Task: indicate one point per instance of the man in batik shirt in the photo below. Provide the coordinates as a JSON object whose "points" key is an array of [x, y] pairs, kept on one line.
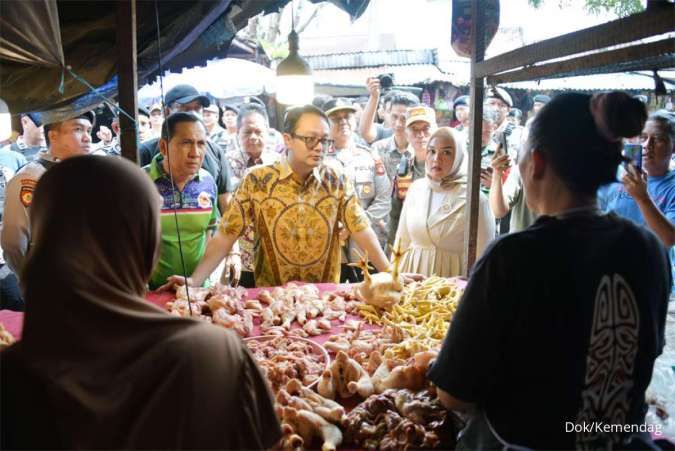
{"points": [[297, 207]]}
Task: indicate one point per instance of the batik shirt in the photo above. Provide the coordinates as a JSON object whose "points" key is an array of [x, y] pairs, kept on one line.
{"points": [[296, 224], [240, 162], [197, 213]]}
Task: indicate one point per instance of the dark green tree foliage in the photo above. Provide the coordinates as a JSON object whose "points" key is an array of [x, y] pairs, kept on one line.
{"points": [[621, 8]]}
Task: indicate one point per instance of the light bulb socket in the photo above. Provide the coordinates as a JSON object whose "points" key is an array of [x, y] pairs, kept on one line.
{"points": [[293, 64]]}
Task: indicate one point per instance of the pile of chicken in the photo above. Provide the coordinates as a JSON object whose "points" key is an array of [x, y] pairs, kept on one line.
{"points": [[307, 417], [6, 338], [302, 304], [361, 368], [401, 419], [277, 311], [284, 358], [396, 419], [219, 304], [423, 315]]}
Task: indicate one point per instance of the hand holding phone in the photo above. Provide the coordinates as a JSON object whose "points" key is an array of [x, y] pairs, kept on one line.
{"points": [[486, 177], [500, 161], [635, 182]]}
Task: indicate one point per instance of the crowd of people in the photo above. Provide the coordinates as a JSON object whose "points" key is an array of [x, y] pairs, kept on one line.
{"points": [[224, 196], [199, 152]]}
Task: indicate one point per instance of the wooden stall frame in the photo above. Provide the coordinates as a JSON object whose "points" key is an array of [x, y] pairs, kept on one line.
{"points": [[128, 80], [525, 64]]}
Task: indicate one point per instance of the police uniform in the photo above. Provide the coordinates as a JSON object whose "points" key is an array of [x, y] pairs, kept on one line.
{"points": [[18, 199], [24, 149], [371, 185]]}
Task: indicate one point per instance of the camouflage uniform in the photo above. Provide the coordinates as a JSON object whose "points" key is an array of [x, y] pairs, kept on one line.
{"points": [[390, 155]]}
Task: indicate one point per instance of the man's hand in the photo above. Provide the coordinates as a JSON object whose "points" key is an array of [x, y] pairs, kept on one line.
{"points": [[635, 183], [175, 281], [104, 134], [373, 86], [409, 277], [500, 163], [233, 268], [367, 128]]}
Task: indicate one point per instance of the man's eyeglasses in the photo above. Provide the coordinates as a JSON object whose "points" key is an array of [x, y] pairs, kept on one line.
{"points": [[424, 131], [312, 141]]}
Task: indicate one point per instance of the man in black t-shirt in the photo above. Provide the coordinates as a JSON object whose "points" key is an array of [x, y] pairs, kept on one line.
{"points": [[535, 340]]}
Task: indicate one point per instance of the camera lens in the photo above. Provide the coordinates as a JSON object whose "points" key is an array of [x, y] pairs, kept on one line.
{"points": [[386, 81]]}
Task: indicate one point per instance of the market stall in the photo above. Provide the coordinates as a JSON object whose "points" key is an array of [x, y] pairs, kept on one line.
{"points": [[342, 371]]}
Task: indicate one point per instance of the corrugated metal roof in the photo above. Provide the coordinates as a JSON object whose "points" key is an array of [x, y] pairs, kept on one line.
{"points": [[599, 82], [354, 68], [371, 59], [403, 75]]}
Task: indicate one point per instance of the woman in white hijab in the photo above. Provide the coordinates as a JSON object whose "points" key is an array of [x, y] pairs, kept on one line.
{"points": [[98, 366], [433, 216]]}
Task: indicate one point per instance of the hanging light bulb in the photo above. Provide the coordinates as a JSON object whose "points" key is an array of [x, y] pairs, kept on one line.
{"points": [[295, 85]]}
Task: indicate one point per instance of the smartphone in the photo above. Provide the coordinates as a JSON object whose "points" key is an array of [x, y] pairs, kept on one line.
{"points": [[634, 153], [504, 143]]}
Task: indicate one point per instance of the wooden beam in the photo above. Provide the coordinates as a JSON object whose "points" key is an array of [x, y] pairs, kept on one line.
{"points": [[127, 86], [593, 64], [475, 132], [652, 22]]}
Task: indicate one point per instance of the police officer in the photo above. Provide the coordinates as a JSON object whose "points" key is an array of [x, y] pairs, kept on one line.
{"points": [[506, 133], [67, 136], [420, 124], [364, 168]]}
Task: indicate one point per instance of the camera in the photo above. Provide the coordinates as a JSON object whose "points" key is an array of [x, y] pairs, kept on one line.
{"points": [[386, 81]]}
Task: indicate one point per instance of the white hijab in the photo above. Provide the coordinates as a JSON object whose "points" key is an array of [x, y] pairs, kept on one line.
{"points": [[457, 174]]}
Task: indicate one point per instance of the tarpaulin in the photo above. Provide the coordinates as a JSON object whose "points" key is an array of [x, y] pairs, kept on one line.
{"points": [[30, 33], [191, 32]]}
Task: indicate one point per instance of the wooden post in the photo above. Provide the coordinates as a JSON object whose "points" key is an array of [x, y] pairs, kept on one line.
{"points": [[127, 85], [475, 132]]}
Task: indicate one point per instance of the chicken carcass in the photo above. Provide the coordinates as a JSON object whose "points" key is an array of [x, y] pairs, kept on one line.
{"points": [[382, 289], [308, 425], [345, 378]]}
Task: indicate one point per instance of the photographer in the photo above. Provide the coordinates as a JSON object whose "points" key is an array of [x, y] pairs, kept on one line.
{"points": [[647, 194], [391, 149], [368, 129], [501, 101]]}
